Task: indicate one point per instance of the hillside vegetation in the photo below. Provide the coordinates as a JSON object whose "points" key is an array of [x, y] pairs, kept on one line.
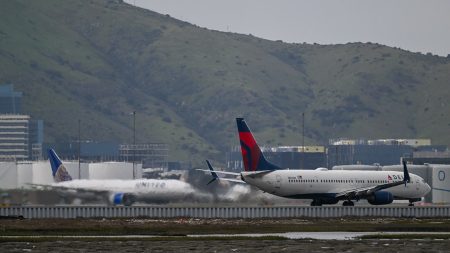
{"points": [[99, 60]]}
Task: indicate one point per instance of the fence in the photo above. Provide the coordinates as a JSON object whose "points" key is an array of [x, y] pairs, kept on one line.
{"points": [[223, 212]]}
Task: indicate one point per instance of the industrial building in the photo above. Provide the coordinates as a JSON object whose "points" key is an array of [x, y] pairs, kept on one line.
{"points": [[14, 137], [292, 157], [431, 157], [21, 137], [380, 151], [92, 151], [345, 151], [152, 155]]}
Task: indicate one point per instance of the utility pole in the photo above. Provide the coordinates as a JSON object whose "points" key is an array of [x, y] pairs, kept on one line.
{"points": [[134, 143], [303, 141], [79, 148]]}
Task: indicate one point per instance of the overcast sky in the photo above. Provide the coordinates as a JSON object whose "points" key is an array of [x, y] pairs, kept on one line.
{"points": [[414, 25]]}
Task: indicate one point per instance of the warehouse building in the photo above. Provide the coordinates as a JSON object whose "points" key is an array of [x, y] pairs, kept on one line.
{"points": [[292, 157], [380, 151], [431, 157], [151, 155]]}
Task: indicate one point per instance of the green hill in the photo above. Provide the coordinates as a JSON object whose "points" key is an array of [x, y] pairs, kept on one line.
{"points": [[100, 60]]}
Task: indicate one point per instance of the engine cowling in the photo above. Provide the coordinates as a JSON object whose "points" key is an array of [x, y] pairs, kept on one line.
{"points": [[125, 199], [381, 198]]}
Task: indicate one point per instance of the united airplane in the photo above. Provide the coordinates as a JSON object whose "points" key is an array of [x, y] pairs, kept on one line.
{"points": [[322, 186], [117, 192]]}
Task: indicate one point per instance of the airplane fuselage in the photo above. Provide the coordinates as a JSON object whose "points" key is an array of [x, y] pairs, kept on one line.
{"points": [[310, 184], [155, 190], [131, 186]]}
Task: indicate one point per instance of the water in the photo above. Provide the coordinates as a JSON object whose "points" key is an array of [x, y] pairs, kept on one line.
{"points": [[288, 235], [320, 235], [299, 235]]}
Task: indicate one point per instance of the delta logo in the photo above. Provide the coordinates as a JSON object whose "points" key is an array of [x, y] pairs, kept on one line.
{"points": [[395, 177]]}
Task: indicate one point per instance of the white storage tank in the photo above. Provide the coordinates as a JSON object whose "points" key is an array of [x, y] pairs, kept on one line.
{"points": [[42, 173], [114, 170], [8, 175], [441, 184], [24, 174], [74, 172]]}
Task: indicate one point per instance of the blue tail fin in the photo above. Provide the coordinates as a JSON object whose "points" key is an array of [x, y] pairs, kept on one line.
{"points": [[59, 172], [252, 155]]}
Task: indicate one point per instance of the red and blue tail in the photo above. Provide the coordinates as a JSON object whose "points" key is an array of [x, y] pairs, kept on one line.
{"points": [[252, 156]]}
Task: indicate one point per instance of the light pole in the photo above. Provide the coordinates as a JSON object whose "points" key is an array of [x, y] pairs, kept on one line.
{"points": [[134, 143], [79, 148], [303, 140]]}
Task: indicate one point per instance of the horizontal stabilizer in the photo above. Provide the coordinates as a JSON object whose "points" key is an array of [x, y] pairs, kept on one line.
{"points": [[221, 172], [216, 177]]}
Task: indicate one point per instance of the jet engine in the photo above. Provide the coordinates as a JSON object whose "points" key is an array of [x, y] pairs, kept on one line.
{"points": [[381, 198], [126, 199]]}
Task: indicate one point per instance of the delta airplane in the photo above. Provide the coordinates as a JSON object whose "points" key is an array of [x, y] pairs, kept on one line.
{"points": [[117, 192], [323, 186]]}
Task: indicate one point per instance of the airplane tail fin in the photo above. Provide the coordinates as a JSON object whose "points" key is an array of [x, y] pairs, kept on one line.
{"points": [[59, 172], [252, 155]]}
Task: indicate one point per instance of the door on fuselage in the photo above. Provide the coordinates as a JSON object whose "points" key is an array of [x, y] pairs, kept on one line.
{"points": [[277, 182]]}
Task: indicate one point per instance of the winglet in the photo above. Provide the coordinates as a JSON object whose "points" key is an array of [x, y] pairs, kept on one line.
{"points": [[59, 172], [406, 177], [213, 174]]}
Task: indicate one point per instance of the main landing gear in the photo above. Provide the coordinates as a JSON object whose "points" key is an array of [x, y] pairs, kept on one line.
{"points": [[348, 203]]}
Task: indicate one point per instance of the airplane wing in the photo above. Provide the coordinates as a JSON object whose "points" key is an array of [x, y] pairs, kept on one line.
{"points": [[216, 177], [367, 191]]}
